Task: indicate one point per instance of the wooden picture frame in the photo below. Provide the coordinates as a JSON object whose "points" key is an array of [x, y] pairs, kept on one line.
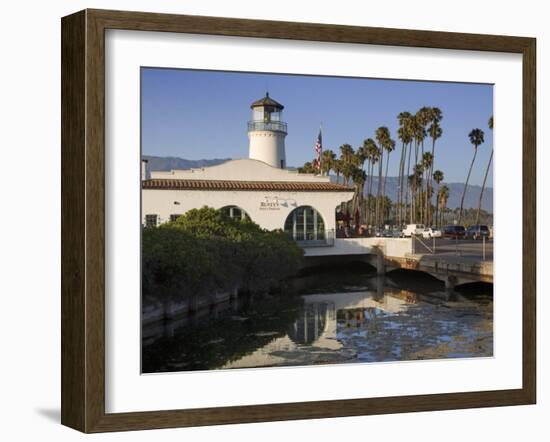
{"points": [[83, 220]]}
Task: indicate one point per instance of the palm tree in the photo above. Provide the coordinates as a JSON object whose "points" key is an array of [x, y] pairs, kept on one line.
{"points": [[423, 117], [437, 177], [443, 197], [419, 134], [362, 154], [308, 167], [412, 185], [404, 134], [427, 162], [358, 177], [384, 141], [435, 132], [347, 156], [390, 146], [490, 124], [372, 156], [418, 173], [411, 125], [327, 161], [476, 138], [337, 167]]}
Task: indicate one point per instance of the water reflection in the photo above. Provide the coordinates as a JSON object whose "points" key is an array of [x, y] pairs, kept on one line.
{"points": [[378, 323]]}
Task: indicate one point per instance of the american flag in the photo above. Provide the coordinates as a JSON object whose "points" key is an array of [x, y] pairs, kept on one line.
{"points": [[318, 149]]}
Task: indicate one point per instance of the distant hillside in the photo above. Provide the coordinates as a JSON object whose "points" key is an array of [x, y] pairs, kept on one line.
{"points": [[455, 194], [169, 163], [455, 189]]}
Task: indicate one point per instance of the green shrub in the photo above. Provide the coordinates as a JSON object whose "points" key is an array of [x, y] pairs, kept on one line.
{"points": [[205, 251]]}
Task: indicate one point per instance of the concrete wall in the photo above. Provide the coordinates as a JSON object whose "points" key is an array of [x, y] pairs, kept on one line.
{"points": [[392, 247], [268, 209]]}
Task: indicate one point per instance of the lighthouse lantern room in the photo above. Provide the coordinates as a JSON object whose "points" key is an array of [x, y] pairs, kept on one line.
{"points": [[267, 132]]}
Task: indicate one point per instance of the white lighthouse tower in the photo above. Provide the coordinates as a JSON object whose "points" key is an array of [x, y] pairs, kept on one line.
{"points": [[267, 132]]}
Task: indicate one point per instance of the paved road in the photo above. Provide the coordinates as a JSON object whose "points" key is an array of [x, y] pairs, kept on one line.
{"points": [[468, 249]]}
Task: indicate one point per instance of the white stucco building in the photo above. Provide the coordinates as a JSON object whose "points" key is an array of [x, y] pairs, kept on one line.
{"points": [[259, 187]]}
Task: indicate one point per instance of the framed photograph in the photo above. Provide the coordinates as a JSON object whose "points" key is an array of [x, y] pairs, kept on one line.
{"points": [[267, 221]]}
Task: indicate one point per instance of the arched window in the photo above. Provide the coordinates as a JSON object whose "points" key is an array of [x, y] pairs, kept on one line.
{"points": [[305, 224], [235, 212]]}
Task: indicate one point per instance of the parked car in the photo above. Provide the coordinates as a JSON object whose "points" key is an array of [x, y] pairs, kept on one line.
{"points": [[413, 229], [392, 233], [477, 231], [454, 232], [431, 232]]}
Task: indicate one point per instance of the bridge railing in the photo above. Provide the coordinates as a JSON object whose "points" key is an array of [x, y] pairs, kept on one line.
{"points": [[423, 244]]}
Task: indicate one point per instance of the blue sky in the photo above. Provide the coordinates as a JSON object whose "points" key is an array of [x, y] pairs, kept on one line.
{"points": [[203, 114]]}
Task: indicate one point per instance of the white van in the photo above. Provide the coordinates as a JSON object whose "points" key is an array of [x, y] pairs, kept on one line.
{"points": [[413, 229]]}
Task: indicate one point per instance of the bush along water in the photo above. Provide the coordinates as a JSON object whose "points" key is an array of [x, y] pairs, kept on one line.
{"points": [[205, 252]]}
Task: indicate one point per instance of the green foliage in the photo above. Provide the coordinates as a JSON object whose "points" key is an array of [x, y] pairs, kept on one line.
{"points": [[206, 251], [173, 262]]}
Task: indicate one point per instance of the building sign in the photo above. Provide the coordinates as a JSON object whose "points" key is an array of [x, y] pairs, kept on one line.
{"points": [[270, 205], [275, 203]]}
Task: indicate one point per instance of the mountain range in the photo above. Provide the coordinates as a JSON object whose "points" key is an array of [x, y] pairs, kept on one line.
{"points": [[455, 189]]}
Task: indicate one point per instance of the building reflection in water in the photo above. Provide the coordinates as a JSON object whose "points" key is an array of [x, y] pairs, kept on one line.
{"points": [[313, 336], [378, 324], [312, 323]]}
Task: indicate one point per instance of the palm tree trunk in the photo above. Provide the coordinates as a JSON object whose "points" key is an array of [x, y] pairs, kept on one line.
{"points": [[384, 187], [407, 182], [436, 206], [415, 194], [399, 185], [431, 177], [483, 187], [371, 168], [422, 195], [466, 186], [379, 187]]}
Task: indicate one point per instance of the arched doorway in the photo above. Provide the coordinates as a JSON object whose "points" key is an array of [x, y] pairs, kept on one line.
{"points": [[305, 224], [235, 212]]}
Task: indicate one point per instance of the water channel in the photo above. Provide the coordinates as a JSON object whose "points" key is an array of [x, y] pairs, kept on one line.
{"points": [[328, 318]]}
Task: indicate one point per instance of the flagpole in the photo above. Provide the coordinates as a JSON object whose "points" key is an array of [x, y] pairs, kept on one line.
{"points": [[321, 148]]}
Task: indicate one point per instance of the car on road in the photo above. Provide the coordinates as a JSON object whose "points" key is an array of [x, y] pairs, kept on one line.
{"points": [[413, 229], [477, 231], [431, 232], [454, 232], [392, 233]]}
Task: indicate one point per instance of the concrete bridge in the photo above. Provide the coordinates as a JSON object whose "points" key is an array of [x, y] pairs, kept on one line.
{"points": [[460, 265]]}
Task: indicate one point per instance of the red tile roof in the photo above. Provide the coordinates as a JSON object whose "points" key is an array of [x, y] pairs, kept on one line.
{"points": [[289, 186]]}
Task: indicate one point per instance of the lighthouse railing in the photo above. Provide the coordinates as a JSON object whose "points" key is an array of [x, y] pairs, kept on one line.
{"points": [[267, 125]]}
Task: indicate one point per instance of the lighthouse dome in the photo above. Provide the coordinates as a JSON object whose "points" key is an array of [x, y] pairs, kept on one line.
{"points": [[267, 101]]}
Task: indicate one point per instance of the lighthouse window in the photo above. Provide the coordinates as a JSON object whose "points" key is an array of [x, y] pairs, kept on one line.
{"points": [[305, 224], [258, 114]]}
